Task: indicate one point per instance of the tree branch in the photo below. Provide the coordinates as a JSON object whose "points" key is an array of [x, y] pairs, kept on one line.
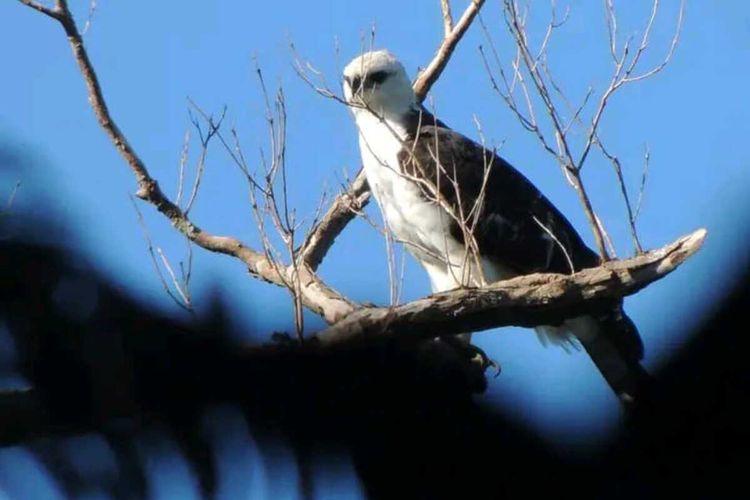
{"points": [[53, 12], [530, 300], [430, 75], [445, 6], [343, 209], [316, 295]]}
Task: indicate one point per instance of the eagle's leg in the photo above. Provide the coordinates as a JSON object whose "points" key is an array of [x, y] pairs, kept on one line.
{"points": [[443, 279]]}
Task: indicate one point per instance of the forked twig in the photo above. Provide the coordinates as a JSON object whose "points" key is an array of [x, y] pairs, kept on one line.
{"points": [[433, 70]]}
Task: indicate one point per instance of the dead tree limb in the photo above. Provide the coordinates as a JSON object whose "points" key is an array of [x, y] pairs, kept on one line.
{"points": [[316, 295], [343, 209], [445, 5], [433, 70], [530, 300]]}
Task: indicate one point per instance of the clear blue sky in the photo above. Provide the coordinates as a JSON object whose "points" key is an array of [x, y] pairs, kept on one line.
{"points": [[152, 56]]}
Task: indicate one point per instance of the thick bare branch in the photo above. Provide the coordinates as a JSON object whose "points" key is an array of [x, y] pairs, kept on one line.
{"points": [[529, 300], [432, 72], [316, 295], [343, 209]]}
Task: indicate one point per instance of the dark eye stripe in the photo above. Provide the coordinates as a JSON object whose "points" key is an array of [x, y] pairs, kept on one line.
{"points": [[371, 79], [377, 77]]}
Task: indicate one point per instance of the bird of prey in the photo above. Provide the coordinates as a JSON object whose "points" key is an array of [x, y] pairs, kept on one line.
{"points": [[469, 217]]}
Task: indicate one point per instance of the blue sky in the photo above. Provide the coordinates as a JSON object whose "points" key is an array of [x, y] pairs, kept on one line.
{"points": [[152, 56]]}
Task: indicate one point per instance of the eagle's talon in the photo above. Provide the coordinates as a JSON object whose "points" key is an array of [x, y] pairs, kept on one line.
{"points": [[484, 361], [474, 354]]}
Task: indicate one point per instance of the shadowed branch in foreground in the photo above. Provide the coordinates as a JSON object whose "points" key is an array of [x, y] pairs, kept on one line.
{"points": [[98, 362]]}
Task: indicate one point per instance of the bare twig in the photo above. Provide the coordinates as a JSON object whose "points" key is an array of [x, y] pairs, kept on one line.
{"points": [[390, 252], [89, 18], [11, 197], [557, 242], [516, 26], [213, 129], [612, 29], [668, 57], [445, 5], [316, 295], [53, 12], [642, 188], [623, 73], [186, 272], [537, 71], [617, 166], [183, 163], [343, 209], [607, 239], [181, 288], [183, 300]]}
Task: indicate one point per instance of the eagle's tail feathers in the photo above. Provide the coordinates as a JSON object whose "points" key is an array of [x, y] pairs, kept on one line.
{"points": [[615, 347], [557, 336], [613, 344]]}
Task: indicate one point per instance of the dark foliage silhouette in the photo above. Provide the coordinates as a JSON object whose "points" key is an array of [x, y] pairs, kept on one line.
{"points": [[100, 362]]}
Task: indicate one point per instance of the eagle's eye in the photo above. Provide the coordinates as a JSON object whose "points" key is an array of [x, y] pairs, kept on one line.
{"points": [[377, 77]]}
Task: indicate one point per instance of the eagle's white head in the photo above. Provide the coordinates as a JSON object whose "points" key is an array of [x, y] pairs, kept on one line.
{"points": [[376, 82]]}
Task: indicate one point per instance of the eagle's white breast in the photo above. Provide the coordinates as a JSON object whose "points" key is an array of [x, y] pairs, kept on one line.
{"points": [[421, 224]]}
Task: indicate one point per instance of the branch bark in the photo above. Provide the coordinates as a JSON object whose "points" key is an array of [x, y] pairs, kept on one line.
{"points": [[430, 75], [530, 300], [316, 295], [53, 12], [445, 5], [342, 211]]}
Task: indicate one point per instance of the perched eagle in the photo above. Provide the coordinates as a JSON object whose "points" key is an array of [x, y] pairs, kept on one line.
{"points": [[468, 216]]}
